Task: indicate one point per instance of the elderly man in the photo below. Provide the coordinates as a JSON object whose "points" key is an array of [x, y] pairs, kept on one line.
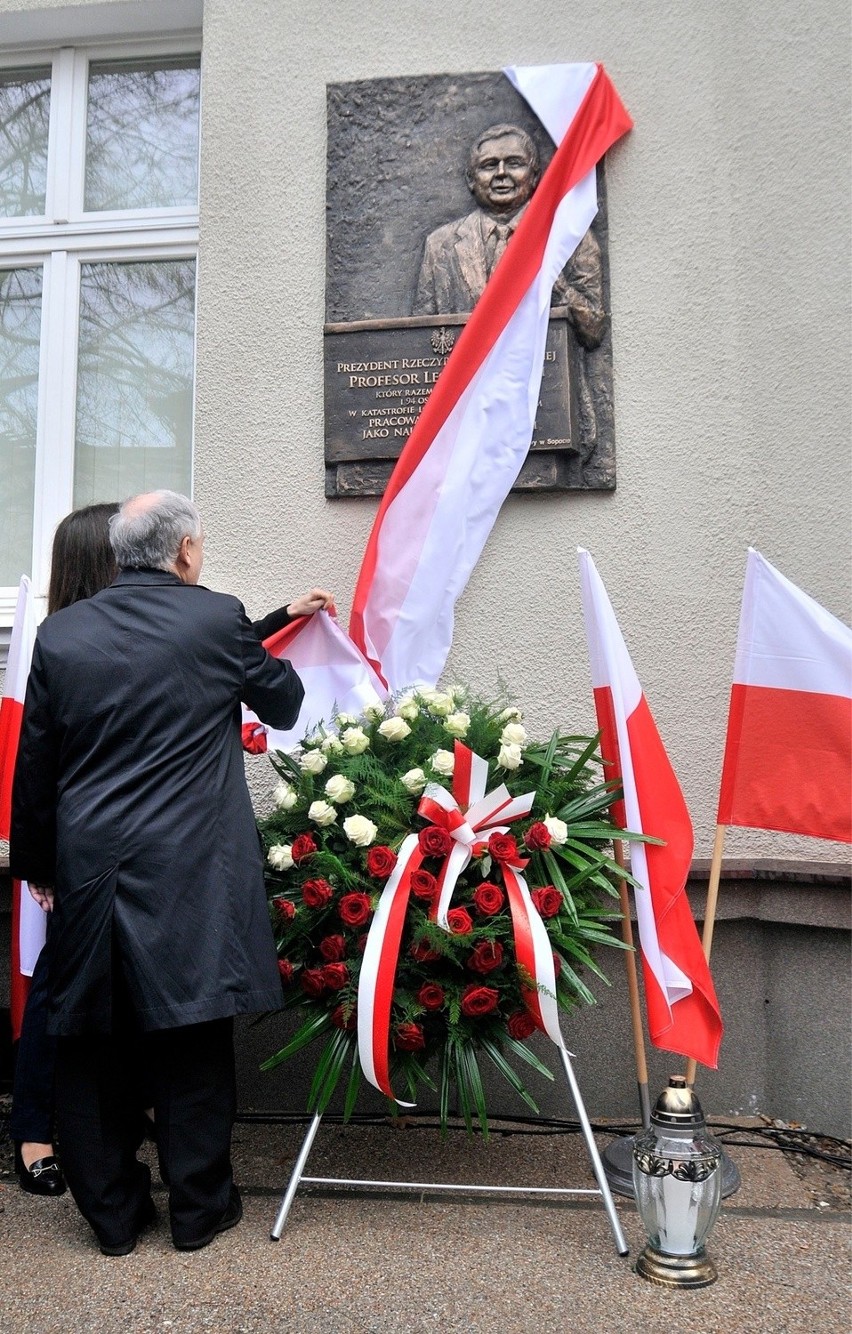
{"points": [[503, 171], [132, 820]]}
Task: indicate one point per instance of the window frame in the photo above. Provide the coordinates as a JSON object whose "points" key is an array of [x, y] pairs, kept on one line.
{"points": [[60, 241]]}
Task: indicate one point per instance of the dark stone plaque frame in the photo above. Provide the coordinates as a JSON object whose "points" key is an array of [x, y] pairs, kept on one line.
{"points": [[397, 152]]}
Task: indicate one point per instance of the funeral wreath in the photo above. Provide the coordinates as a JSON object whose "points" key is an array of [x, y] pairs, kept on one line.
{"points": [[438, 885]]}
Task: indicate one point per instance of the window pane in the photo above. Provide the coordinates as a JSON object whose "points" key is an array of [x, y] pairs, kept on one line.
{"points": [[24, 114], [134, 379], [142, 134], [20, 322]]}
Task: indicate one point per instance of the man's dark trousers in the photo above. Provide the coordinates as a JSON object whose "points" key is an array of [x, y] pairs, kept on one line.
{"points": [[189, 1074]]}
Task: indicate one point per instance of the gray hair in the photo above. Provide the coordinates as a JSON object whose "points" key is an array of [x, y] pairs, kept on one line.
{"points": [[150, 538]]}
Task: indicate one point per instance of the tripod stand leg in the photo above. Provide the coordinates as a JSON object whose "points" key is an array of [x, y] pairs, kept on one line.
{"points": [[597, 1165], [295, 1178]]}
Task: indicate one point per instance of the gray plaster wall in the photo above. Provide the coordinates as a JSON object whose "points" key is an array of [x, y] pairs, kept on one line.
{"points": [[729, 235]]}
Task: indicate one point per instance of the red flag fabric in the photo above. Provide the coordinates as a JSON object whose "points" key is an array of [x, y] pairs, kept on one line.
{"points": [[28, 920], [683, 1012], [788, 749]]}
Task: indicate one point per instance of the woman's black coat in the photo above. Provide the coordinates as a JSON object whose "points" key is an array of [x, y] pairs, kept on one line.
{"points": [[130, 798]]}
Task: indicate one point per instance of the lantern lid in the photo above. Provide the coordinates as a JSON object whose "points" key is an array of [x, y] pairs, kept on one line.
{"points": [[677, 1105]]}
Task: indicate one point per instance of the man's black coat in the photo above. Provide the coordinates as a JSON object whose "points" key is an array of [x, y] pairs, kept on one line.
{"points": [[130, 798]]}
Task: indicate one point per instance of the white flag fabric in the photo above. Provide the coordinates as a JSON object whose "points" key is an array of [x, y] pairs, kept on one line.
{"points": [[336, 677], [471, 439]]}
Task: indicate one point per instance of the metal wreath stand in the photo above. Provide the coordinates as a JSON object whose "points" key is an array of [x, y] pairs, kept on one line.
{"points": [[297, 1177]]}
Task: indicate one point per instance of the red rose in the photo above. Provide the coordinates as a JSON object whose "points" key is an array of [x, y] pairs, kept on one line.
{"points": [[431, 996], [548, 900], [313, 982], [286, 970], [460, 921], [340, 1018], [317, 893], [355, 909], [537, 836], [488, 898], [486, 956], [502, 847], [254, 738], [423, 885], [520, 1024], [332, 948], [335, 976], [409, 1037], [479, 1000], [434, 841], [557, 964], [380, 862], [285, 908], [303, 848], [423, 953], [361, 943]]}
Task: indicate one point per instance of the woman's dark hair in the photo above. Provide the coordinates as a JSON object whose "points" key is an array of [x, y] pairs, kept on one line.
{"points": [[82, 562]]}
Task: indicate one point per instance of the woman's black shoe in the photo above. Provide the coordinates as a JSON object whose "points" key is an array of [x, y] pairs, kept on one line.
{"points": [[43, 1177]]}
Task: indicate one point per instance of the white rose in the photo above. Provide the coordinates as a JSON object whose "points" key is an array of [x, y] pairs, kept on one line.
{"points": [[408, 708], [510, 757], [514, 735], [321, 813], [394, 729], [355, 740], [457, 724], [441, 704], [443, 762], [511, 715], [331, 746], [345, 720], [313, 761], [280, 856], [557, 829], [374, 712], [359, 830], [339, 789], [285, 797], [414, 781]]}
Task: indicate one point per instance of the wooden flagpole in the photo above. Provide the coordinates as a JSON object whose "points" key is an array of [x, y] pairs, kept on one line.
{"points": [[633, 990], [709, 919]]}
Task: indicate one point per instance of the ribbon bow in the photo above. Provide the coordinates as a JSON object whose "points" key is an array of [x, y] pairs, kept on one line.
{"points": [[467, 814]]}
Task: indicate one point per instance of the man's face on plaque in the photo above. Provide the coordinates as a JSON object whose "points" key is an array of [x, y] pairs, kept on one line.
{"points": [[502, 175]]}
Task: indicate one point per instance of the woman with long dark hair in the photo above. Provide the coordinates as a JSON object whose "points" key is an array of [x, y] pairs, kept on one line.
{"points": [[81, 564]]}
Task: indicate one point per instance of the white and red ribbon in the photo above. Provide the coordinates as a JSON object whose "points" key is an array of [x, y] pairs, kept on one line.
{"points": [[469, 815]]}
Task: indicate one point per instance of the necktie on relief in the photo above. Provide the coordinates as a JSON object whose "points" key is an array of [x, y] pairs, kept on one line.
{"points": [[498, 239]]}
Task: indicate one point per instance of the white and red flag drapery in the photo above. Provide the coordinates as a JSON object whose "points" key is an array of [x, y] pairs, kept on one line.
{"points": [[472, 437], [788, 750], [28, 921], [683, 1012], [336, 677]]}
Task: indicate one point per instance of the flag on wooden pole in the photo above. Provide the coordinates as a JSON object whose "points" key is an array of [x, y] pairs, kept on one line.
{"points": [[683, 1012], [788, 749]]}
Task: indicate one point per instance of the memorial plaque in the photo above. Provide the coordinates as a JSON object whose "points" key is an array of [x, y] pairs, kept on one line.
{"points": [[427, 178]]}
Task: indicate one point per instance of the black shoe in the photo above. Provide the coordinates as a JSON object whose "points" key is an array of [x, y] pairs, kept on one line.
{"points": [[230, 1218], [146, 1218], [43, 1177]]}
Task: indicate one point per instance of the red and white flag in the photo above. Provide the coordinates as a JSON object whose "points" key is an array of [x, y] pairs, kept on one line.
{"points": [[683, 1012], [336, 677], [29, 923], [788, 751], [472, 437]]}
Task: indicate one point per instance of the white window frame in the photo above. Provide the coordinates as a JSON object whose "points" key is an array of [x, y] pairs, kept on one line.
{"points": [[59, 242]]}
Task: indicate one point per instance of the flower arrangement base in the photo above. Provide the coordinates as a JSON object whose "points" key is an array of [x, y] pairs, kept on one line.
{"points": [[297, 1177]]}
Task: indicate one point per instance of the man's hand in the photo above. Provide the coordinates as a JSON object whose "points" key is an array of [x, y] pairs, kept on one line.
{"points": [[318, 599], [43, 895]]}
